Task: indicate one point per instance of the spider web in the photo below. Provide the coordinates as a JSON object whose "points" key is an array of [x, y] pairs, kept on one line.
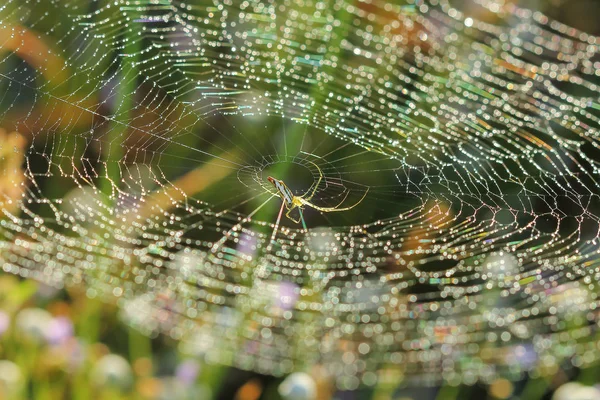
{"points": [[147, 129]]}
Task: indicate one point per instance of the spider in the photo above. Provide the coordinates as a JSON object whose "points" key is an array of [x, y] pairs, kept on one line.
{"points": [[292, 202]]}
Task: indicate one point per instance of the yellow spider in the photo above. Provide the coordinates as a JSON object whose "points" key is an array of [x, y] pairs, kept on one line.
{"points": [[292, 202]]}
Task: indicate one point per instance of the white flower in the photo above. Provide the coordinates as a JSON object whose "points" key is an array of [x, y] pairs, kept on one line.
{"points": [[298, 386], [33, 324], [11, 379], [112, 370], [576, 391], [174, 389]]}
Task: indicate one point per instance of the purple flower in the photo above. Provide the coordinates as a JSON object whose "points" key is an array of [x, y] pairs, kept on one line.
{"points": [[187, 372], [77, 354], [247, 244], [287, 296], [60, 330], [526, 356]]}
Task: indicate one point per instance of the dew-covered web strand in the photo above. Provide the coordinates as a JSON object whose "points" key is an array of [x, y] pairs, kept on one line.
{"points": [[477, 241], [157, 137]]}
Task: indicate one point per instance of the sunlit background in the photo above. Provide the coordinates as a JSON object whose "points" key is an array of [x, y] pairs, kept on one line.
{"points": [[430, 230]]}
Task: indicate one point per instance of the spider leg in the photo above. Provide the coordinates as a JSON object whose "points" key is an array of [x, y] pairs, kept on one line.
{"points": [[313, 189], [308, 203], [334, 209], [287, 214], [343, 200]]}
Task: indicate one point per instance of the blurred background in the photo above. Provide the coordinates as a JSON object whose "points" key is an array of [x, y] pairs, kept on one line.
{"points": [[91, 125]]}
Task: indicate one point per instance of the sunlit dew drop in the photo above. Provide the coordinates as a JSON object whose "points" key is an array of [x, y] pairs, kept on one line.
{"points": [[139, 312], [523, 356], [278, 296], [135, 184], [322, 240], [187, 264], [569, 300], [252, 106], [199, 343], [500, 266], [362, 295], [83, 204], [248, 244]]}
